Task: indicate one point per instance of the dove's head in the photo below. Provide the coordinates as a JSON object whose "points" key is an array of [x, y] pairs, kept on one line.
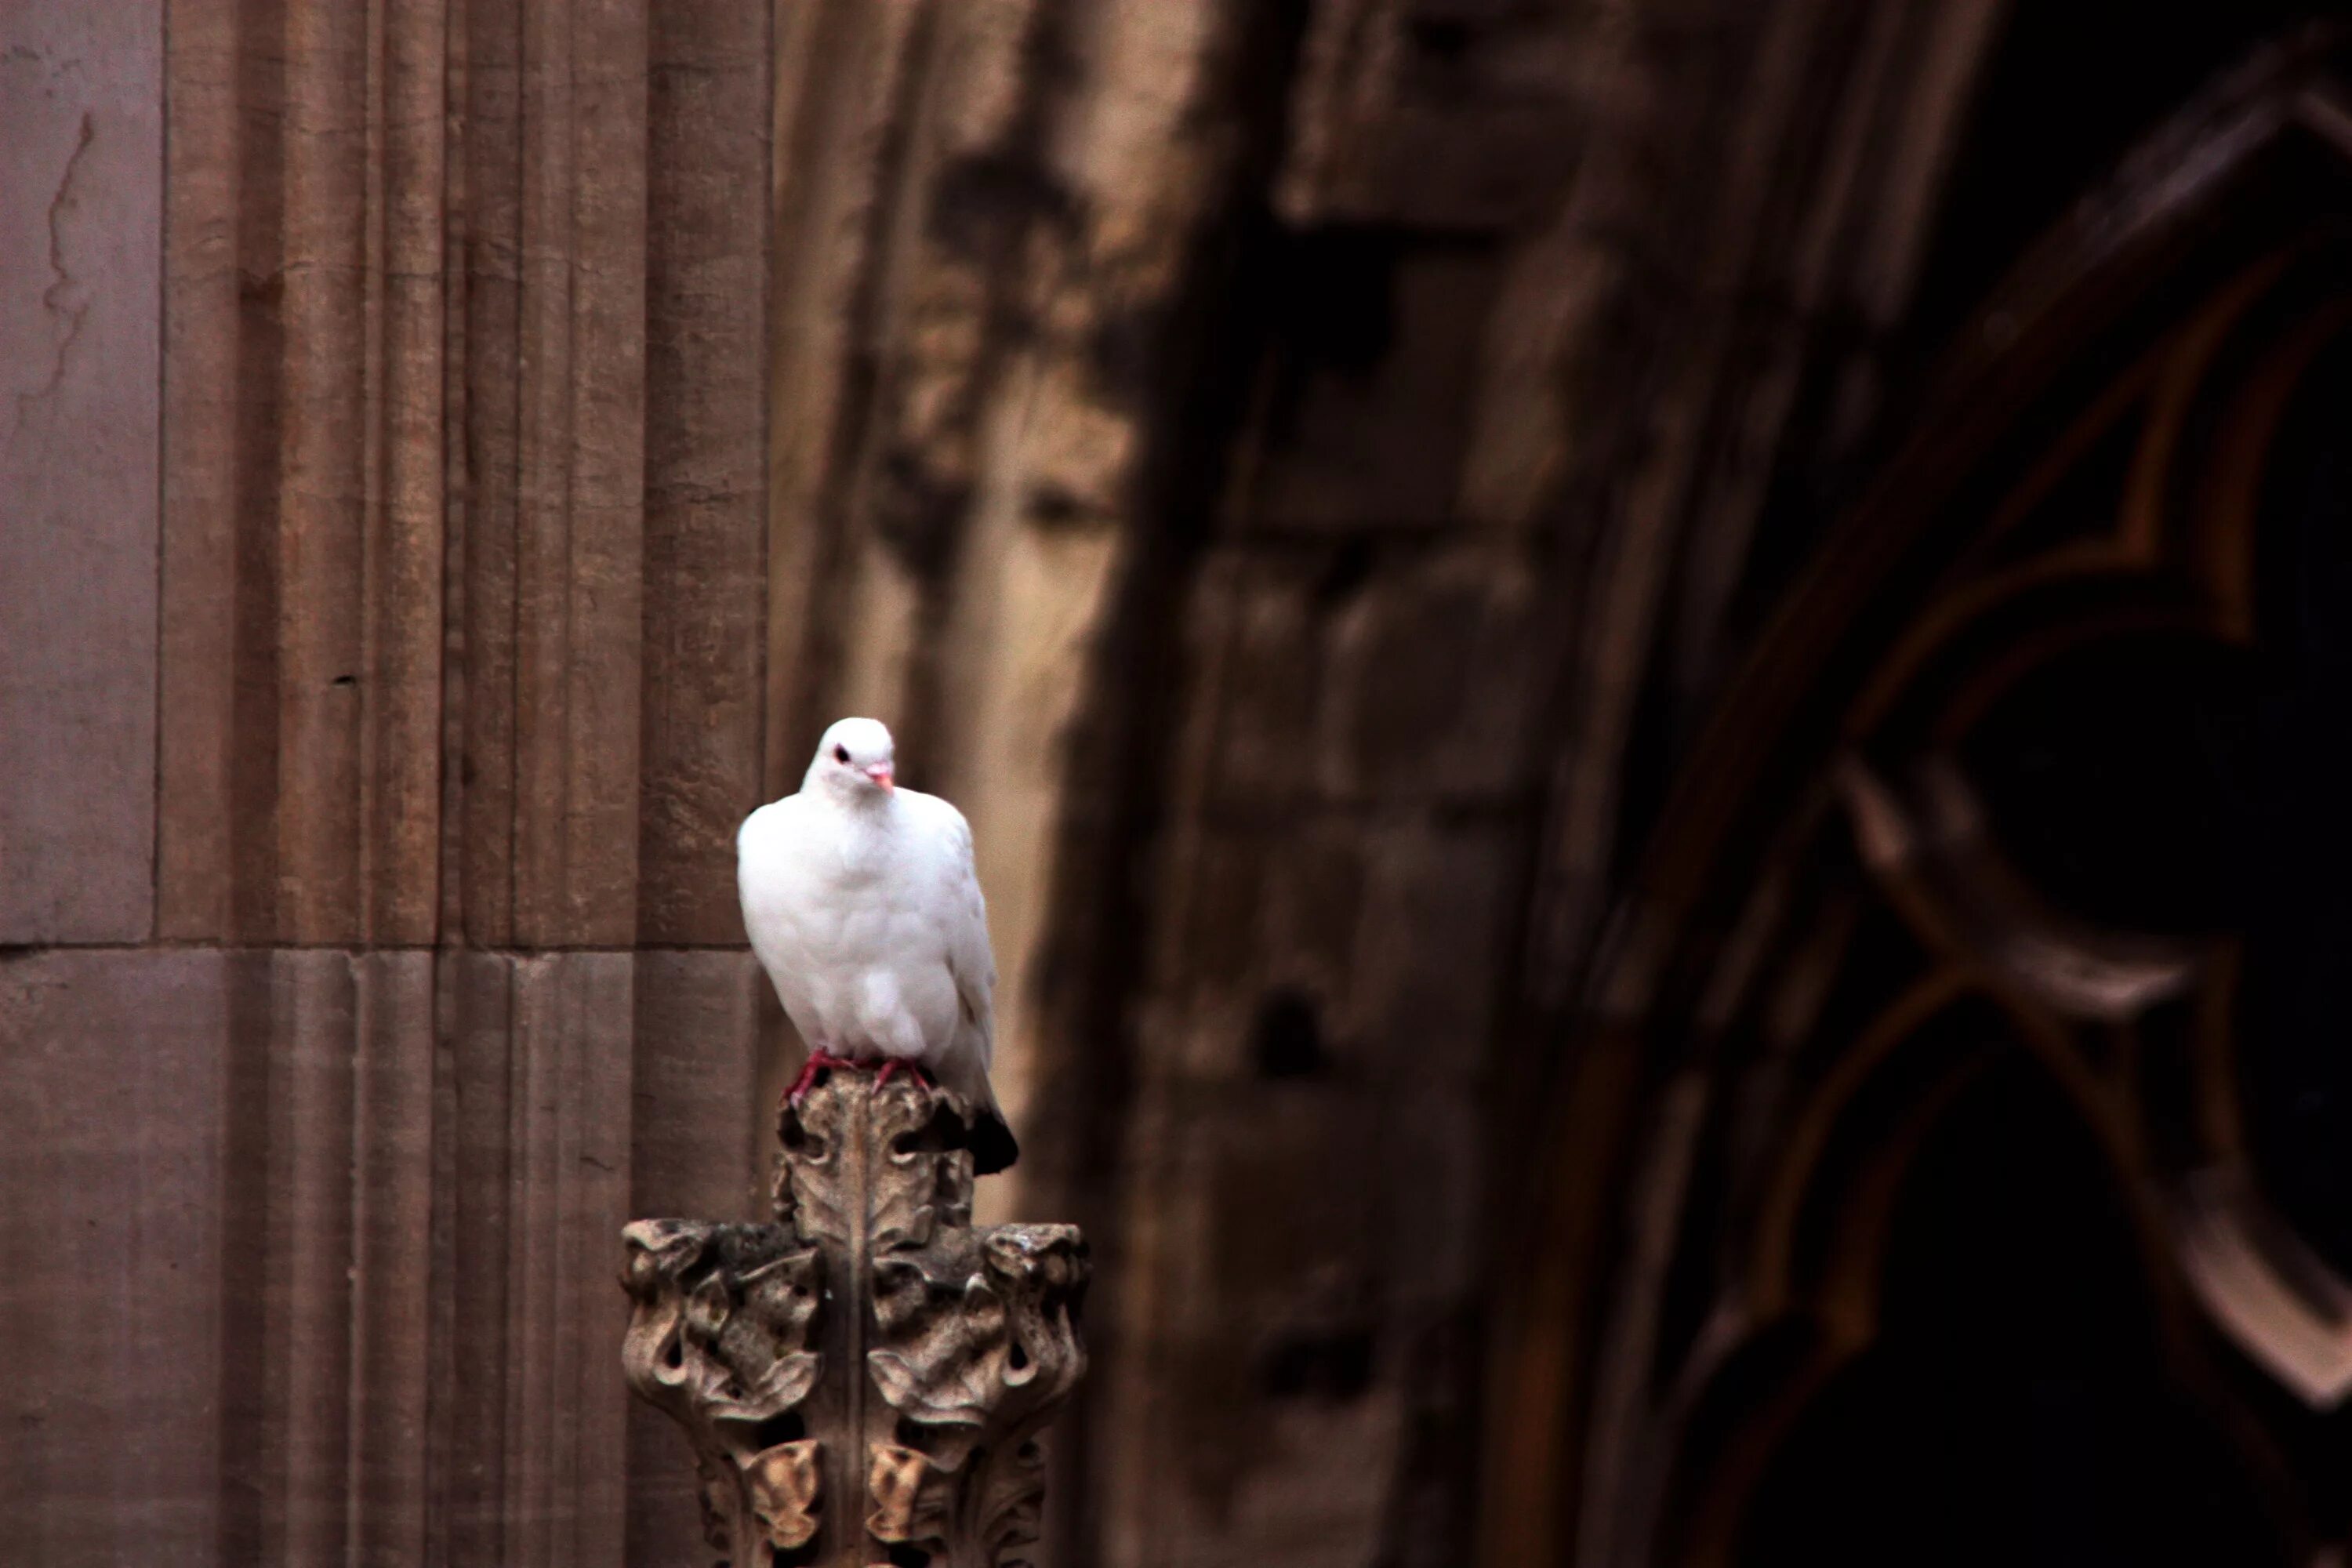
{"points": [[855, 761]]}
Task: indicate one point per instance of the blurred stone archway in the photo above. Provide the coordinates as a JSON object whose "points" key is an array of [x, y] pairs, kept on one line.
{"points": [[2040, 713]]}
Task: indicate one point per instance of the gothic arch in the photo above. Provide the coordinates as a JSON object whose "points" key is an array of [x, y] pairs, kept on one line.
{"points": [[1958, 814]]}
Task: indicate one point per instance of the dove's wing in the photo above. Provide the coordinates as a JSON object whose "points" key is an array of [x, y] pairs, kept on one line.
{"points": [[956, 903], [962, 911]]}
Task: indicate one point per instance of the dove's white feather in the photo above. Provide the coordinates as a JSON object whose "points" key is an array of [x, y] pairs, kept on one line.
{"points": [[864, 909]]}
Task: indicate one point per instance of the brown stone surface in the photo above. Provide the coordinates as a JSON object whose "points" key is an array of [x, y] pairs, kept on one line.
{"points": [[326, 1206], [114, 1112], [279, 1209], [542, 1157], [710, 89], [299, 783], [455, 396], [82, 160]]}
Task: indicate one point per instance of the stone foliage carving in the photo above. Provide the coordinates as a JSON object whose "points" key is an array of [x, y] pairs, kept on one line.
{"points": [[865, 1379], [722, 1340]]}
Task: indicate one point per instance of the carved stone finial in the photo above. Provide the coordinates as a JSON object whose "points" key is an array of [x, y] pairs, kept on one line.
{"points": [[865, 1379]]}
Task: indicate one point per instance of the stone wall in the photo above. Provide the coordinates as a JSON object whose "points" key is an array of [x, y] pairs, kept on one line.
{"points": [[383, 559], [1288, 466]]}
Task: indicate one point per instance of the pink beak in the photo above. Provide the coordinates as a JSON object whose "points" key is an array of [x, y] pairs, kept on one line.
{"points": [[880, 773]]}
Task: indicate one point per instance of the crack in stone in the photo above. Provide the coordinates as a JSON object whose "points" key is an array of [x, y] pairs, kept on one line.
{"points": [[24, 54], [59, 299]]}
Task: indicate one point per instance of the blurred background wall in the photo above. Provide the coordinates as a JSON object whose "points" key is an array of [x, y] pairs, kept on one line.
{"points": [[1306, 476]]}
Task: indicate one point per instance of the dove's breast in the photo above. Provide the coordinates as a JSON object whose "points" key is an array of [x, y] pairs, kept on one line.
{"points": [[839, 927]]}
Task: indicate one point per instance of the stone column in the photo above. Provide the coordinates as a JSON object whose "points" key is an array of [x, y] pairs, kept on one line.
{"points": [[865, 1379]]}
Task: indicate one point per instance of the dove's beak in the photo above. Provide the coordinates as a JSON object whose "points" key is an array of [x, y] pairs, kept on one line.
{"points": [[880, 773]]}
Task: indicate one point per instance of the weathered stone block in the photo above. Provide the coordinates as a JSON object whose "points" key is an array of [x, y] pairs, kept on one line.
{"points": [[1431, 680], [113, 1106], [80, 240]]}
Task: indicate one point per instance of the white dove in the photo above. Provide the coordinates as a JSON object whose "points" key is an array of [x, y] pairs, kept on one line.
{"points": [[863, 907]]}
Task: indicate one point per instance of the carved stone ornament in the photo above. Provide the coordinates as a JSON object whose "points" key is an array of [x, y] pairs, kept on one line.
{"points": [[865, 1380]]}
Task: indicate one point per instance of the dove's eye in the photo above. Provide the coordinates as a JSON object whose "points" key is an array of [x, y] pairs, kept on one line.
{"points": [[841, 753]]}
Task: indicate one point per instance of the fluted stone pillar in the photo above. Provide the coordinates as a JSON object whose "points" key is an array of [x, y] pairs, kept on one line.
{"points": [[865, 1379]]}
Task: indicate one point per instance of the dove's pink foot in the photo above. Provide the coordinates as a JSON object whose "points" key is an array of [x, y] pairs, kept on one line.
{"points": [[818, 1061], [898, 1065]]}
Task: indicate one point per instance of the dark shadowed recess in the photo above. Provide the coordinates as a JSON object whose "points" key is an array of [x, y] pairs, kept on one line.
{"points": [[2291, 840], [2016, 1409]]}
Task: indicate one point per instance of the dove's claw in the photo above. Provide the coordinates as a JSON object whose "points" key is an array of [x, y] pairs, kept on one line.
{"points": [[818, 1061], [897, 1064]]}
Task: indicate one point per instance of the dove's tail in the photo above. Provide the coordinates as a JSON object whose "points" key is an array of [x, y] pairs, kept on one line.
{"points": [[993, 1148], [993, 1145]]}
